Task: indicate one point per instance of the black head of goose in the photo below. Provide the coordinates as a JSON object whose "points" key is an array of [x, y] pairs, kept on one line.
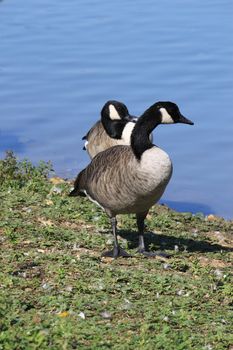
{"points": [[130, 179], [114, 128]]}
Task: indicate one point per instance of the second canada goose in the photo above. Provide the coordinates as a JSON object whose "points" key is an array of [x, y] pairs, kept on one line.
{"points": [[113, 129], [130, 179]]}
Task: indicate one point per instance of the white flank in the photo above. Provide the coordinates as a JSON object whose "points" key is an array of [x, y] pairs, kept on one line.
{"points": [[166, 118], [86, 143], [127, 131], [113, 114], [92, 200]]}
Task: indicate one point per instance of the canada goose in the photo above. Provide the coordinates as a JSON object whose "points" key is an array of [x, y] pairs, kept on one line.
{"points": [[130, 179], [114, 128]]}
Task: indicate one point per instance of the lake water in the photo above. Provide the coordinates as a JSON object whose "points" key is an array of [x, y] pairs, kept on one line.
{"points": [[61, 61]]}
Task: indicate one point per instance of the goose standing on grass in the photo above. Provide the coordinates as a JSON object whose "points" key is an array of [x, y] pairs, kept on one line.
{"points": [[130, 179], [113, 129]]}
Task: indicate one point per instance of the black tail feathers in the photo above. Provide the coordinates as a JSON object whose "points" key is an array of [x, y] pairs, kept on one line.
{"points": [[72, 194]]}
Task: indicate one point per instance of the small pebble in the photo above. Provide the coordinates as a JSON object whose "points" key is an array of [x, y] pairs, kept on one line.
{"points": [[181, 292], [82, 315], [22, 274], [127, 305], [46, 286], [40, 250], [218, 273], [106, 315], [56, 189], [166, 266]]}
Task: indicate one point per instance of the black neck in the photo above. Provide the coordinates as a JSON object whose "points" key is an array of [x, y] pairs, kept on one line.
{"points": [[114, 128], [140, 140]]}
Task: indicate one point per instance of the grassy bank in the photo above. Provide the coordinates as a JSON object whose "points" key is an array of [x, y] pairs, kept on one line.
{"points": [[56, 292]]}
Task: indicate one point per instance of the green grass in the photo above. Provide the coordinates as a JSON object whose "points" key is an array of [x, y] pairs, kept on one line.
{"points": [[56, 292]]}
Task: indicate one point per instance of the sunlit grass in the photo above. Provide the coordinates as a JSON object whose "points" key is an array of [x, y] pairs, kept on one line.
{"points": [[56, 292]]}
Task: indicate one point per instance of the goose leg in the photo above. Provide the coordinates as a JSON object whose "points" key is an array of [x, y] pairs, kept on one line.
{"points": [[117, 250], [141, 247], [141, 226]]}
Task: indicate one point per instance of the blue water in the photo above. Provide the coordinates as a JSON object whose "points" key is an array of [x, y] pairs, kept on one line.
{"points": [[61, 61]]}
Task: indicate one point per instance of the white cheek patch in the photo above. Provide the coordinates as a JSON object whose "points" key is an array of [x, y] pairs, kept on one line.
{"points": [[127, 131], [113, 114], [166, 118]]}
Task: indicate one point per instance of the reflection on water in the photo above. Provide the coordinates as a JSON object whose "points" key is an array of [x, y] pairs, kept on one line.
{"points": [[61, 61]]}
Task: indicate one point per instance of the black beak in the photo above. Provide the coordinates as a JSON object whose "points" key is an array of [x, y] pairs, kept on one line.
{"points": [[184, 120]]}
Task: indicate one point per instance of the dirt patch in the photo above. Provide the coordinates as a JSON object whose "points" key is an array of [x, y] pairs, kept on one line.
{"points": [[223, 238], [204, 261], [79, 225]]}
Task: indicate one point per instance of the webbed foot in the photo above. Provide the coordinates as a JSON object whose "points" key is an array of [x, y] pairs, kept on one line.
{"points": [[115, 253], [153, 254]]}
